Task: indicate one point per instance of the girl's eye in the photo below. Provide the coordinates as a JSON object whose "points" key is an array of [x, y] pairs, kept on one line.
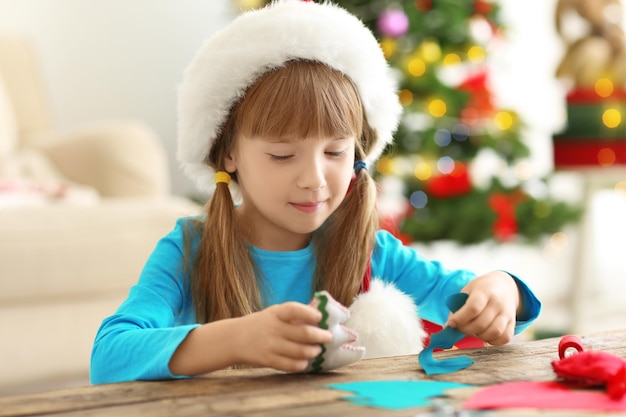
{"points": [[279, 157], [337, 154]]}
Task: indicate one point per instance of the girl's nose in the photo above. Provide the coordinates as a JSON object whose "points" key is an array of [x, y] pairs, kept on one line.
{"points": [[312, 176]]}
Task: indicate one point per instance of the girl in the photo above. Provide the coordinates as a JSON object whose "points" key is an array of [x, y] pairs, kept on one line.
{"points": [[280, 113]]}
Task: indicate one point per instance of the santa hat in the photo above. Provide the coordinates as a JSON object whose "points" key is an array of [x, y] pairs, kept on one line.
{"points": [[260, 40]]}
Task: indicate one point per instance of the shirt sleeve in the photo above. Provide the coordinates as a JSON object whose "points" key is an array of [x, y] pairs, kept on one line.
{"points": [[531, 305], [429, 283], [139, 339]]}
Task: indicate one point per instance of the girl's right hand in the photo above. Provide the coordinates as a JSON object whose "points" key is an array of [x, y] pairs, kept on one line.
{"points": [[284, 337]]}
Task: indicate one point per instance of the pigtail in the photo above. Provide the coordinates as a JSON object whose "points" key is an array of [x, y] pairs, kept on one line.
{"points": [[344, 246], [223, 283]]}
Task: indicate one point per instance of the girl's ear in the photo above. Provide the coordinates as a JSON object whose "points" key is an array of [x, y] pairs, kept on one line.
{"points": [[229, 163]]}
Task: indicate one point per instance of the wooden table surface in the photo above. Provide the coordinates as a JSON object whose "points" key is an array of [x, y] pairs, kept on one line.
{"points": [[264, 392]]}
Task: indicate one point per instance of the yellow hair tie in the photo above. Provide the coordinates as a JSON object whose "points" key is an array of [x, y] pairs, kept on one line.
{"points": [[222, 176]]}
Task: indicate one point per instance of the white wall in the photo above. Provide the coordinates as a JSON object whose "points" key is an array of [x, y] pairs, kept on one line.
{"points": [[117, 59]]}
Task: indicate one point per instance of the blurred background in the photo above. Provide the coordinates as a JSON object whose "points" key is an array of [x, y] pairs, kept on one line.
{"points": [[106, 61]]}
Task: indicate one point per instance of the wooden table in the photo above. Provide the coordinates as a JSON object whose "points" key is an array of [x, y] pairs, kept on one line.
{"points": [[264, 392]]}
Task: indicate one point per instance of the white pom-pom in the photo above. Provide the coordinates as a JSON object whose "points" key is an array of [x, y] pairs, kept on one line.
{"points": [[387, 321]]}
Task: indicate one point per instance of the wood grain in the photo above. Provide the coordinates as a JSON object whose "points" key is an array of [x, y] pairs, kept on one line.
{"points": [[264, 392]]}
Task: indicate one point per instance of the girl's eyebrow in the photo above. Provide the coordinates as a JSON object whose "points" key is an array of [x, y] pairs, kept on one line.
{"points": [[292, 139], [287, 140]]}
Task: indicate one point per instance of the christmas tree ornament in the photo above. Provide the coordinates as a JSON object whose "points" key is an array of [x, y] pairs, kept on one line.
{"points": [[423, 5], [393, 23], [342, 350]]}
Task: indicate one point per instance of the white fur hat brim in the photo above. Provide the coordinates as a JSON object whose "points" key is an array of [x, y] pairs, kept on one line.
{"points": [[256, 41]]}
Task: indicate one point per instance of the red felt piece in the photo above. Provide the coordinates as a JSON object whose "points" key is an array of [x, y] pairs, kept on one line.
{"points": [[594, 368], [465, 343], [549, 395]]}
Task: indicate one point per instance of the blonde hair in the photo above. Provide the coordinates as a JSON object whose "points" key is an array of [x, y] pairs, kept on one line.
{"points": [[301, 99]]}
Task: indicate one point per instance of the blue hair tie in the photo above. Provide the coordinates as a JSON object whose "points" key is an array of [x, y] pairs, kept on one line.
{"points": [[359, 165]]}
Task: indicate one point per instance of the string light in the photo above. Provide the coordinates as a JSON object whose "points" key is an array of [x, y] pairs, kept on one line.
{"points": [[385, 165], [523, 170], [556, 245], [451, 59], [476, 54], [503, 120], [611, 118], [604, 87], [416, 67], [430, 51], [422, 171], [437, 108], [406, 97], [460, 132], [389, 47], [445, 165], [443, 137], [418, 199], [606, 157]]}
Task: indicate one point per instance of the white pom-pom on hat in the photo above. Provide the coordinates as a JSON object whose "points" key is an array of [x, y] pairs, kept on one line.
{"points": [[387, 321], [257, 41]]}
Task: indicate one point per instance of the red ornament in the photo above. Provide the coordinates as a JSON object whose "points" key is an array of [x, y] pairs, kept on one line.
{"points": [[480, 104], [391, 225], [423, 5], [449, 185], [483, 7], [505, 226]]}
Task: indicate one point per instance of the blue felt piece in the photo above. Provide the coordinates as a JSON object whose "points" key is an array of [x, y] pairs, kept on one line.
{"points": [[445, 339], [456, 301], [395, 395]]}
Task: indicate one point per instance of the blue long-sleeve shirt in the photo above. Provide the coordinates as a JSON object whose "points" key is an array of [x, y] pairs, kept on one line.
{"points": [[139, 339]]}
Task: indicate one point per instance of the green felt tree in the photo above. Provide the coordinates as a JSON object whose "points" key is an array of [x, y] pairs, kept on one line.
{"points": [[458, 160]]}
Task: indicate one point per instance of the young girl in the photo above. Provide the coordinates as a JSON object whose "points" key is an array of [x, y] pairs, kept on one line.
{"points": [[280, 114]]}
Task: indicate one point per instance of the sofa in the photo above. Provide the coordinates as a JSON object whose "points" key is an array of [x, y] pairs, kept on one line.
{"points": [[80, 212]]}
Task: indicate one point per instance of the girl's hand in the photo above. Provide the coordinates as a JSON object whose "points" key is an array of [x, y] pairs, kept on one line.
{"points": [[284, 337], [490, 310]]}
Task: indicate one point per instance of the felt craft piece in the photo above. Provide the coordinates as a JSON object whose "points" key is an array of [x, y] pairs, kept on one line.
{"points": [[395, 395], [591, 368], [340, 351], [445, 339], [548, 395]]}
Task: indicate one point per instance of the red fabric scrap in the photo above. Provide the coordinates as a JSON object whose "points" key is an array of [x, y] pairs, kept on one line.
{"points": [[594, 368]]}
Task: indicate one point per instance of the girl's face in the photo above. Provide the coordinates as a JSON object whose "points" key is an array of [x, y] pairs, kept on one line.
{"points": [[289, 186]]}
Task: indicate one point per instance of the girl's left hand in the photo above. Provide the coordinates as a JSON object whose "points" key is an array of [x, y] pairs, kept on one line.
{"points": [[490, 310]]}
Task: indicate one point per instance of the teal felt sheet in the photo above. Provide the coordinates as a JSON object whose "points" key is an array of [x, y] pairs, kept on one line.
{"points": [[395, 395]]}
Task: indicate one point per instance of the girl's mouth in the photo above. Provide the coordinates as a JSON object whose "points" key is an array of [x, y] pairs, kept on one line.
{"points": [[308, 207]]}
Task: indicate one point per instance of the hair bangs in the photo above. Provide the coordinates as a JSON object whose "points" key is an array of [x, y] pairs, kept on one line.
{"points": [[300, 100]]}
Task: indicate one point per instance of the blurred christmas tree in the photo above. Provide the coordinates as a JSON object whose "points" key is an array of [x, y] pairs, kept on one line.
{"points": [[458, 160]]}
